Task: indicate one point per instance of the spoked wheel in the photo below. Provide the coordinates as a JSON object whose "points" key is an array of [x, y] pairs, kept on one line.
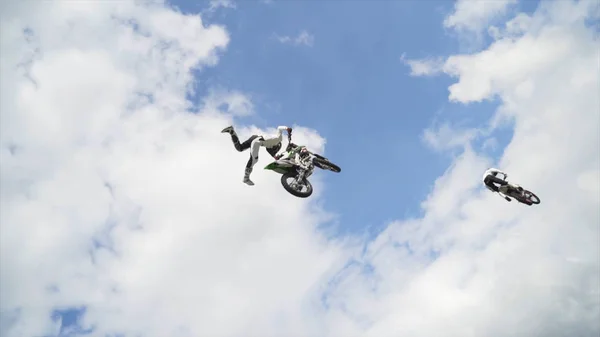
{"points": [[291, 183], [325, 164], [526, 197], [531, 197]]}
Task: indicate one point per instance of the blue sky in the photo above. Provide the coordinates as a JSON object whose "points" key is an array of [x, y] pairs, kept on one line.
{"points": [[352, 87]]}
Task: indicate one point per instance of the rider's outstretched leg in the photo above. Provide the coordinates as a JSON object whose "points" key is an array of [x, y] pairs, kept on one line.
{"points": [[236, 141], [245, 145], [228, 129], [253, 159], [247, 180]]}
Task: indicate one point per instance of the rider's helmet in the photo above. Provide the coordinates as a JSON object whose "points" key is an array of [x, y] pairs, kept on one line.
{"points": [[303, 152]]}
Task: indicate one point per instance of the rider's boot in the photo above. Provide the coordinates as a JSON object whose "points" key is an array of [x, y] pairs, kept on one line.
{"points": [[247, 180], [228, 130]]}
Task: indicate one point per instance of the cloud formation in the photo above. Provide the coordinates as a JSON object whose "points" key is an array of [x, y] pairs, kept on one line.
{"points": [[303, 38], [119, 195], [446, 137], [475, 265], [214, 4], [423, 67], [474, 15]]}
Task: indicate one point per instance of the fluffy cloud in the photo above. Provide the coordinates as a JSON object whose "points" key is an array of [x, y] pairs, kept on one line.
{"points": [[119, 195], [475, 265], [423, 67], [473, 16], [235, 103], [446, 137]]}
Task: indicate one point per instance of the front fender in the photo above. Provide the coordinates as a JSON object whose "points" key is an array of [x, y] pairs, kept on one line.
{"points": [[319, 156], [276, 167]]}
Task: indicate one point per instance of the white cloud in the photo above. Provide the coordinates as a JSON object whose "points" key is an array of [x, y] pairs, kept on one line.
{"points": [[97, 144], [503, 268], [474, 15], [237, 103], [303, 38], [490, 143], [514, 27], [446, 137], [214, 4], [424, 67]]}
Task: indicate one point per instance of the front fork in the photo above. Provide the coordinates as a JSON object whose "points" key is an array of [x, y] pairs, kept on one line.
{"points": [[303, 170], [303, 173]]}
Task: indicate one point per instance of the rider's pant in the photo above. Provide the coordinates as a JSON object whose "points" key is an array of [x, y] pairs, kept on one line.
{"points": [[242, 146], [490, 180], [254, 148], [254, 143]]}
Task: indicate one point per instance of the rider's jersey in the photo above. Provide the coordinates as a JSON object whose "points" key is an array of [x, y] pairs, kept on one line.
{"points": [[492, 171], [272, 141]]}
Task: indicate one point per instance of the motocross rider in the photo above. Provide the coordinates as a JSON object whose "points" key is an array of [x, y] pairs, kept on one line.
{"points": [[272, 145], [491, 176]]}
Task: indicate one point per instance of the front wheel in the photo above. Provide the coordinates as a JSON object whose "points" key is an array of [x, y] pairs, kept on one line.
{"points": [[531, 197], [290, 182], [526, 197], [325, 164]]}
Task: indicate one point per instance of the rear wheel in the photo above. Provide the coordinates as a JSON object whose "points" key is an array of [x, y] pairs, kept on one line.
{"points": [[301, 189], [325, 164]]}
